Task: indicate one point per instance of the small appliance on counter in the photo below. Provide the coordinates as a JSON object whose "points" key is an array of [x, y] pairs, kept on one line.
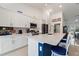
{"points": [[19, 31], [27, 30], [34, 32]]}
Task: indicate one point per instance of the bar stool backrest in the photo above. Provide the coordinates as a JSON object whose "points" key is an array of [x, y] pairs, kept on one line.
{"points": [[68, 43]]}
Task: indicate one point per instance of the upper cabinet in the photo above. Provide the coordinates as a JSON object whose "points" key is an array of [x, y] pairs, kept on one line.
{"points": [[13, 19], [18, 20], [4, 17]]}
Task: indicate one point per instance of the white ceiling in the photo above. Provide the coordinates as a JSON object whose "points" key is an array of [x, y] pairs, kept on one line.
{"points": [[45, 6], [70, 10]]}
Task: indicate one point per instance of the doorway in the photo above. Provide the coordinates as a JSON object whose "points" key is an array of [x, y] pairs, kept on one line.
{"points": [[56, 28]]}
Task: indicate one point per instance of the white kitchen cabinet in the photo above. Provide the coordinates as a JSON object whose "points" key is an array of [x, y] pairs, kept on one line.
{"points": [[7, 44], [16, 20], [34, 20], [19, 20], [11, 18], [32, 47], [27, 22], [4, 17], [0, 45], [12, 42], [20, 42]]}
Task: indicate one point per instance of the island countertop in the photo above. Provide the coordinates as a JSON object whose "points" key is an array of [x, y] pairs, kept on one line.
{"points": [[51, 39]]}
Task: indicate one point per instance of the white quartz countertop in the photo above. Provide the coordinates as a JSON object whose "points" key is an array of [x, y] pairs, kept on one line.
{"points": [[50, 39]]}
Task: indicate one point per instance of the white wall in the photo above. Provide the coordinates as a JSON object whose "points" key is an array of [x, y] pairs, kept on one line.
{"points": [[55, 16], [47, 17]]}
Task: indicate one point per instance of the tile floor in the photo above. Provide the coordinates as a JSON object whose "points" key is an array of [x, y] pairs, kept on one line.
{"points": [[73, 50]]}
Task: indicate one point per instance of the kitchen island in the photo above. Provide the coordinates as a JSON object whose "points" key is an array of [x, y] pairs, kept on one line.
{"points": [[9, 44], [42, 38]]}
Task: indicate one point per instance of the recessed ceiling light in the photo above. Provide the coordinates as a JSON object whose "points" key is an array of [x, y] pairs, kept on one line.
{"points": [[46, 4], [60, 6], [50, 10]]}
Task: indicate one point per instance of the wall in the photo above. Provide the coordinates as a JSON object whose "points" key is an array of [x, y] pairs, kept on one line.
{"points": [[49, 14], [55, 16]]}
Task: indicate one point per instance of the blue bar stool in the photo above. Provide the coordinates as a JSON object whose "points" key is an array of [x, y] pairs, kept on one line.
{"points": [[63, 41], [57, 51], [61, 51]]}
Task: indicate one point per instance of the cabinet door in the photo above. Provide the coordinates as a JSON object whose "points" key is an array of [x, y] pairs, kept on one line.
{"points": [[32, 47], [7, 44], [23, 21], [18, 20], [28, 20], [15, 20], [4, 17], [24, 40], [0, 45], [17, 42], [20, 42]]}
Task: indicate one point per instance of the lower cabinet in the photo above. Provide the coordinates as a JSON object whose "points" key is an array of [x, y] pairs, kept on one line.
{"points": [[0, 46], [6, 44], [19, 42], [9, 43], [32, 47]]}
